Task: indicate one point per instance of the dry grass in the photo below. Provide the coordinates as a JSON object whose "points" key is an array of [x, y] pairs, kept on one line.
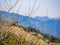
{"points": [[17, 36]]}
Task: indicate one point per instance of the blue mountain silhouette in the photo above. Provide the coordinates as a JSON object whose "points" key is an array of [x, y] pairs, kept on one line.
{"points": [[45, 24]]}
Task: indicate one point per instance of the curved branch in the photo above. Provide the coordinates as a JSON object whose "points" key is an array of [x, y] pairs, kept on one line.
{"points": [[5, 3]]}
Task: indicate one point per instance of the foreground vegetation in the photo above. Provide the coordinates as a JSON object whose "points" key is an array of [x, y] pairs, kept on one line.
{"points": [[45, 36], [9, 38]]}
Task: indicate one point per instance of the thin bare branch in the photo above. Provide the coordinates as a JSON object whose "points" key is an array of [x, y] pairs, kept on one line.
{"points": [[35, 10], [13, 6], [13, 10], [29, 7], [19, 8], [4, 4], [33, 7], [7, 3], [30, 14], [10, 2], [32, 11]]}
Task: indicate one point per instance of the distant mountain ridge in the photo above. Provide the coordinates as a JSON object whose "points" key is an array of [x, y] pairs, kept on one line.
{"points": [[44, 24]]}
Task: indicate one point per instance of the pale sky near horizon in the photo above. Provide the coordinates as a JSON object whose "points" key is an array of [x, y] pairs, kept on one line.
{"points": [[47, 7]]}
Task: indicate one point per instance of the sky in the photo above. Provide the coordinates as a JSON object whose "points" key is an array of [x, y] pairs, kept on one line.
{"points": [[50, 8]]}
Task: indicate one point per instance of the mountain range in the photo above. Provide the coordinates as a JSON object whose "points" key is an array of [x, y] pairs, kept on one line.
{"points": [[44, 24]]}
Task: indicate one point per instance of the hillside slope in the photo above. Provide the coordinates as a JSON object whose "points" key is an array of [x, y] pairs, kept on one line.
{"points": [[19, 32]]}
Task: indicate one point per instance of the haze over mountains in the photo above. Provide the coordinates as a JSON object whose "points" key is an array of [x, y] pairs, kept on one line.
{"points": [[44, 24]]}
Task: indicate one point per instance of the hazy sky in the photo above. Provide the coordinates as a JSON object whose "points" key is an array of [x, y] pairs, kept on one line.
{"points": [[47, 7]]}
